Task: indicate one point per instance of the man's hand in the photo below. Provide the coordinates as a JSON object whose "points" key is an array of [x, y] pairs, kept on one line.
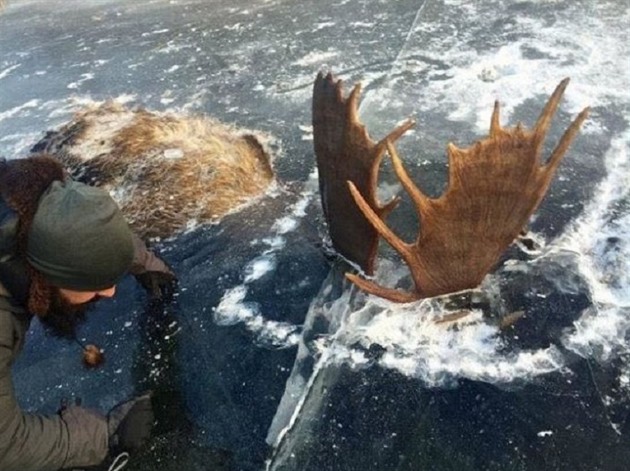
{"points": [[152, 272], [160, 285], [130, 424]]}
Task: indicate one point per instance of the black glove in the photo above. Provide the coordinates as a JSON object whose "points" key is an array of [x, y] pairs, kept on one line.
{"points": [[130, 424], [159, 284]]}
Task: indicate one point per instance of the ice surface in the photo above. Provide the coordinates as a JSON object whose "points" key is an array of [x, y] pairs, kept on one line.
{"points": [[267, 353]]}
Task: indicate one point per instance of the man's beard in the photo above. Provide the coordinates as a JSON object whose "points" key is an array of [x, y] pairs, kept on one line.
{"points": [[63, 317]]}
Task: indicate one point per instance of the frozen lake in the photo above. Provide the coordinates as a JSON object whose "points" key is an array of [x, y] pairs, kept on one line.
{"points": [[267, 359]]}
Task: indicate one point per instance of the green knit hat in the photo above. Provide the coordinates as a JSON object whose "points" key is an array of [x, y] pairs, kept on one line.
{"points": [[79, 239]]}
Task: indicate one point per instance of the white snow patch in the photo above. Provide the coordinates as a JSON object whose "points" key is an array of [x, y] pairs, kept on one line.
{"points": [[316, 57], [233, 309], [77, 84], [7, 71], [18, 109]]}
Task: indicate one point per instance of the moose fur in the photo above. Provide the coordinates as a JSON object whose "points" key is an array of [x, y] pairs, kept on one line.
{"points": [[164, 170]]}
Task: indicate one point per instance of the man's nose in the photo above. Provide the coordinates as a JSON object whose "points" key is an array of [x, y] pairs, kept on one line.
{"points": [[107, 293]]}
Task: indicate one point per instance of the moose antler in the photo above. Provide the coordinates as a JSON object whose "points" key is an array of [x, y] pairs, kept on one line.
{"points": [[345, 152], [494, 187]]}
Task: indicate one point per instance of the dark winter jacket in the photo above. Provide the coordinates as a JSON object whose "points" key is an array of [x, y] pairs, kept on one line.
{"points": [[77, 437]]}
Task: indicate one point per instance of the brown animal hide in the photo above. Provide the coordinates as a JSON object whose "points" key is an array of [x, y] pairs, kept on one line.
{"points": [[494, 187], [163, 170]]}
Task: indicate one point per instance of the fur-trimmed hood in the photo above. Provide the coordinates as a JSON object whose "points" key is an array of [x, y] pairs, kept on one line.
{"points": [[22, 182]]}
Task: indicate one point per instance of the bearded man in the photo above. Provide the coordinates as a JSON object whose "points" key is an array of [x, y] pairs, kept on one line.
{"points": [[63, 245]]}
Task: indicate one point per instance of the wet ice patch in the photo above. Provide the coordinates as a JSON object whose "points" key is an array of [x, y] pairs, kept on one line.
{"points": [[296, 212], [600, 242], [233, 309], [600, 238], [418, 346], [600, 333], [386, 191], [424, 340]]}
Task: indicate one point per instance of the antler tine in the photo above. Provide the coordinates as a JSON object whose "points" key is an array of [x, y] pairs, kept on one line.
{"points": [[338, 86], [321, 78], [378, 223], [493, 188], [421, 201], [394, 295], [544, 120], [565, 142], [383, 144], [399, 131], [345, 151], [495, 125], [329, 81], [353, 98]]}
